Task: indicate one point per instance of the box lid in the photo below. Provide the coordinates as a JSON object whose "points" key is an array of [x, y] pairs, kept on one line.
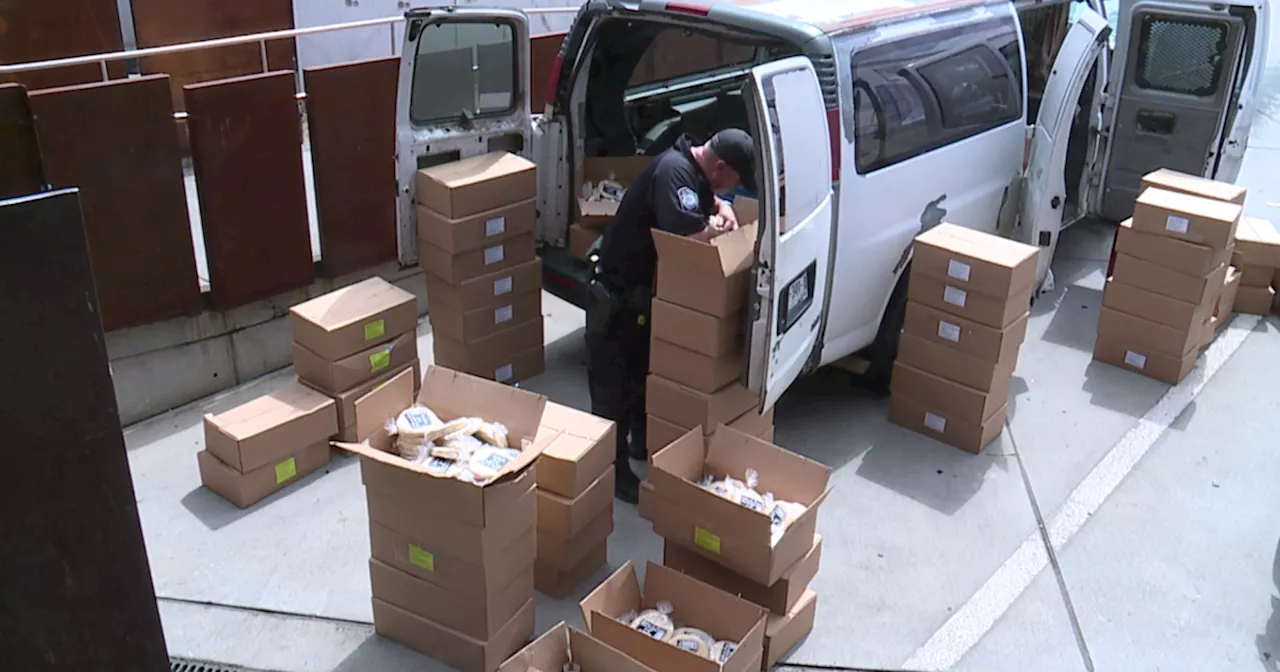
{"points": [[1018, 259], [724, 255], [1198, 206], [477, 169], [1173, 180], [1258, 242], [351, 304], [269, 411]]}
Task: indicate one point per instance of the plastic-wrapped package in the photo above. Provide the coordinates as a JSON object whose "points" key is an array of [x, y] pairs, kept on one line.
{"points": [[416, 420], [487, 461], [464, 426], [693, 640], [457, 447], [443, 468], [749, 496], [656, 623], [628, 618], [720, 651], [492, 433]]}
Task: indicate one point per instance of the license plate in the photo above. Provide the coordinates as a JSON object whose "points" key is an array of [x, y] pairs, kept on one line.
{"points": [[798, 294]]}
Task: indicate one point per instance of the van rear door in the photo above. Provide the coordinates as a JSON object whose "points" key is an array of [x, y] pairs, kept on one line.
{"points": [[463, 91], [1045, 193], [789, 122]]}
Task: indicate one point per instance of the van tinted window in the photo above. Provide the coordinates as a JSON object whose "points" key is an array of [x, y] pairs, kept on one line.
{"points": [[926, 91]]}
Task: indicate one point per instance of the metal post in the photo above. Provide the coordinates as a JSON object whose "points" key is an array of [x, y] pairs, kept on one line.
{"points": [[391, 27], [103, 64], [262, 49]]}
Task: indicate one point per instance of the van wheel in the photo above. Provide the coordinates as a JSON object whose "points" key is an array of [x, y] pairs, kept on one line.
{"points": [[884, 350]]}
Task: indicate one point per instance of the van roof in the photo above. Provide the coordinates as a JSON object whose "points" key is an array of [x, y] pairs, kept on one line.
{"points": [[837, 16]]}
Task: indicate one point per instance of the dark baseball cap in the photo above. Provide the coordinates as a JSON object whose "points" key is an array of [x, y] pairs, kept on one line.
{"points": [[736, 148]]}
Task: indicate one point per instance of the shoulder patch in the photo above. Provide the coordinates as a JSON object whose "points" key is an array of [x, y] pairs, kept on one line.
{"points": [[688, 199]]}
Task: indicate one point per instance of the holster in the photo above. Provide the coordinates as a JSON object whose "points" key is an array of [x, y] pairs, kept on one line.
{"points": [[602, 308]]}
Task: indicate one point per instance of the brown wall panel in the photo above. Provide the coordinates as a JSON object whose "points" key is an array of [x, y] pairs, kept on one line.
{"points": [[246, 146], [543, 50], [21, 171], [162, 22], [351, 114], [32, 30], [117, 142]]}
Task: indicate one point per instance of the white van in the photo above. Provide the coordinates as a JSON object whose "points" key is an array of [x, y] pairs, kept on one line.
{"points": [[886, 117]]}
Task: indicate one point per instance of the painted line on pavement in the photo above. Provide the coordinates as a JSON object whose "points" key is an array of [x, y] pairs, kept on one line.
{"points": [[972, 621]]}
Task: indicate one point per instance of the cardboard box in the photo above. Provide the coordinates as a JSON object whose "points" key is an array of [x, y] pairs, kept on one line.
{"points": [[482, 229], [1118, 349], [246, 489], [969, 434], [1189, 258], [953, 365], [1210, 331], [696, 604], [353, 318], [687, 407], [450, 395], [726, 532], [565, 553], [705, 334], [477, 184], [1255, 300], [581, 449], [581, 239], [1166, 281], [1253, 276], [1226, 302], [480, 619], [989, 344], [1157, 308], [440, 534], [565, 517], [476, 324], [1258, 242], [1149, 336], [513, 368], [494, 356], [458, 268], [659, 433], [348, 429], [336, 377], [709, 277], [469, 580], [559, 583], [562, 645], [1172, 180], [974, 261], [449, 646], [620, 169], [779, 598], [1186, 217], [950, 399], [268, 429], [988, 310], [694, 370], [783, 632], [487, 290]]}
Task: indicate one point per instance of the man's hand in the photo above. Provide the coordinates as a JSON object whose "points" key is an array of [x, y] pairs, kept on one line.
{"points": [[728, 217]]}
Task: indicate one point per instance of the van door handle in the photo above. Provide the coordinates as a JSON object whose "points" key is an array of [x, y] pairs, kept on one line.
{"points": [[1055, 202], [1156, 123]]}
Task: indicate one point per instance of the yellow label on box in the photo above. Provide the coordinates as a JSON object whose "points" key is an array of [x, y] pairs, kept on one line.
{"points": [[375, 329], [379, 360], [286, 470], [707, 540], [421, 558]]}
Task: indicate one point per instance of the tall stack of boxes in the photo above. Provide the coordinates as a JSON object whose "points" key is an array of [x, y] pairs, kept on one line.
{"points": [[697, 346], [1257, 256], [1170, 271], [968, 300], [575, 498], [735, 548], [452, 562], [484, 281], [349, 341]]}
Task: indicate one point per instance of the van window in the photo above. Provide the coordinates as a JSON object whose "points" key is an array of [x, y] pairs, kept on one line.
{"points": [[1177, 55], [923, 92], [463, 68]]}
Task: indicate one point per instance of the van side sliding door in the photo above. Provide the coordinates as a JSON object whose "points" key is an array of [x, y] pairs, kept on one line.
{"points": [[793, 253]]}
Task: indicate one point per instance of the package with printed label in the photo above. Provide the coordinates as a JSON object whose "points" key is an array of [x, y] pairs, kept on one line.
{"points": [[779, 598], [493, 257], [507, 356], [337, 376], [966, 433], [353, 318], [478, 184], [267, 429], [974, 261], [1180, 255], [1172, 180], [567, 649], [470, 325], [486, 291], [1120, 344], [1183, 216], [478, 230], [244, 489]]}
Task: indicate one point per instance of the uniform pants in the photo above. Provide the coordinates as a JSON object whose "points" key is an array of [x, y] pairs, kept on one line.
{"points": [[617, 363]]}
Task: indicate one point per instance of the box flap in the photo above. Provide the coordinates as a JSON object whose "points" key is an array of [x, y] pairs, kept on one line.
{"points": [[593, 655], [575, 422], [682, 459], [452, 394], [707, 608], [353, 303], [269, 411], [384, 403], [618, 594], [727, 254], [547, 653], [747, 210], [788, 476], [477, 169]]}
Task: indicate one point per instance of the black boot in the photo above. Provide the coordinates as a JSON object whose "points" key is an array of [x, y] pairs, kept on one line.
{"points": [[626, 485]]}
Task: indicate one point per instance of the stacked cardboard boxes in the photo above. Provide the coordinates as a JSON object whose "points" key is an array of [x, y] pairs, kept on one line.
{"points": [[1171, 268], [594, 214], [484, 280], [697, 347], [566, 648], [349, 341], [1257, 256], [968, 300], [737, 549], [452, 562], [575, 498], [262, 446]]}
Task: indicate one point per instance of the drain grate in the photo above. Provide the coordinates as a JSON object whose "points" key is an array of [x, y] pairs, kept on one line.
{"points": [[191, 665]]}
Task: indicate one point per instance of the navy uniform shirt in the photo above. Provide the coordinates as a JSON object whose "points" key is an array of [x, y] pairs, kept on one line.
{"points": [[671, 194]]}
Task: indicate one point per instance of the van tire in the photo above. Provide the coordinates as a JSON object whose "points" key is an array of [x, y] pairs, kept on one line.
{"points": [[884, 350]]}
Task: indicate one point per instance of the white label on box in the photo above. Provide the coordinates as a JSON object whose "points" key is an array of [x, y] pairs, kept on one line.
{"points": [[955, 297], [948, 331], [503, 373], [1135, 360], [958, 270], [935, 422], [502, 286], [1176, 224], [493, 255], [502, 314], [495, 226]]}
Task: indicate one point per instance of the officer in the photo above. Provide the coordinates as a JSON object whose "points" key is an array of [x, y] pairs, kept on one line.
{"points": [[675, 193]]}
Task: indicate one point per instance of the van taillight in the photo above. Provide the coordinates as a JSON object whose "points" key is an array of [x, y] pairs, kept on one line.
{"points": [[552, 80], [688, 8], [833, 132]]}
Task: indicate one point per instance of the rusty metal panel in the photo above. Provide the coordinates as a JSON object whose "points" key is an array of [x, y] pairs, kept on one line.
{"points": [[246, 146], [49, 29], [351, 114], [21, 171], [543, 50], [116, 141], [77, 591]]}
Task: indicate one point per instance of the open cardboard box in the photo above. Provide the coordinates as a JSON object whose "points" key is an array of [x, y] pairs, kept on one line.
{"points": [[620, 169], [707, 277], [728, 533], [695, 604], [562, 645], [450, 395]]}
